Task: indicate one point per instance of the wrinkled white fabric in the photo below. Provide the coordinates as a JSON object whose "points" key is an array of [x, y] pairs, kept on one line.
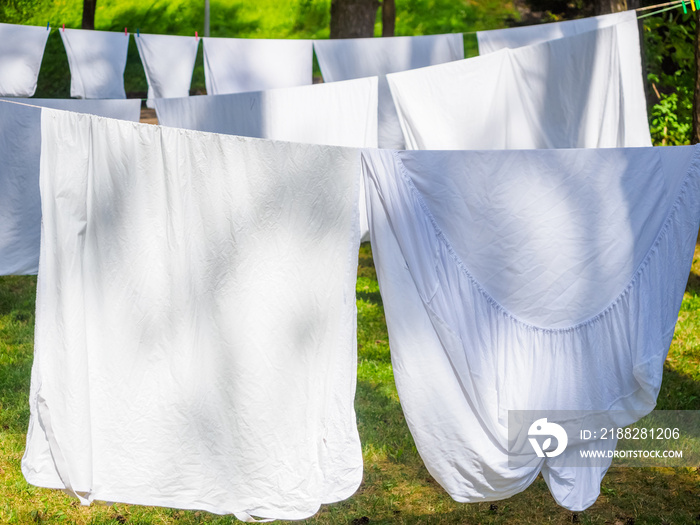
{"points": [[21, 52], [168, 62], [97, 60], [565, 93], [527, 280], [626, 26], [345, 59], [236, 65], [20, 145], [196, 321], [337, 114], [512, 37]]}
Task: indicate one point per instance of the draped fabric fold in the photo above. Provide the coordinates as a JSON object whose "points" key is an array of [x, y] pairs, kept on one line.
{"points": [[574, 92], [345, 59], [97, 60], [20, 147], [21, 51], [625, 25], [237, 65], [196, 321], [168, 62], [528, 280]]}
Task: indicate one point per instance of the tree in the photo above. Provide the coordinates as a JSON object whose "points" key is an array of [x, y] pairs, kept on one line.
{"points": [[388, 17], [353, 18], [89, 7]]}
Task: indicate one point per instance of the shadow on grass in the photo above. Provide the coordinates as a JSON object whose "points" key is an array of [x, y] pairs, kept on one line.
{"points": [[678, 391], [693, 286]]}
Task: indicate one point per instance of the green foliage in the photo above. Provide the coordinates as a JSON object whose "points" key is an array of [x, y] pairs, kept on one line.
{"points": [[669, 48]]}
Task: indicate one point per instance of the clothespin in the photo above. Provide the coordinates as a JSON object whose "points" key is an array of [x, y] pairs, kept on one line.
{"points": [[125, 33], [47, 25], [697, 4], [138, 32], [685, 10], [64, 28], [196, 36]]}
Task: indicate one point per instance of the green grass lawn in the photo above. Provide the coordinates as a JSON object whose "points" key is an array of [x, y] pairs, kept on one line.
{"points": [[397, 487]]}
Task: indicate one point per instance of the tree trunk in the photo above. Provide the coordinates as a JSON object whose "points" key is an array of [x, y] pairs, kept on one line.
{"points": [[353, 18], [605, 7], [695, 137], [89, 14], [388, 17]]}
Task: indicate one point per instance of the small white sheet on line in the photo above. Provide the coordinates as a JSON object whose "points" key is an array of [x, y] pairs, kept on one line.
{"points": [[565, 93], [335, 114], [236, 65], [97, 60], [625, 25], [168, 61], [528, 280], [21, 52], [20, 145], [196, 320], [345, 59]]}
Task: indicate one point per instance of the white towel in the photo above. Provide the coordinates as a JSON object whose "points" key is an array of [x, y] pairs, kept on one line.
{"points": [[97, 60], [20, 145], [21, 51], [527, 280], [236, 65], [628, 49], [565, 93], [168, 62], [195, 320], [345, 59], [337, 114]]}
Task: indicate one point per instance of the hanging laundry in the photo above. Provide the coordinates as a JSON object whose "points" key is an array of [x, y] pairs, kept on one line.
{"points": [[236, 65], [337, 114], [97, 60], [20, 145], [21, 51], [196, 327], [345, 59], [625, 25], [565, 93], [168, 62], [528, 280]]}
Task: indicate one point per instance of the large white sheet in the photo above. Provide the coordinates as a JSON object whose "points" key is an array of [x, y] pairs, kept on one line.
{"points": [[565, 93], [526, 280], [626, 26], [97, 60], [345, 59], [21, 52], [196, 320], [236, 65], [20, 145], [168, 62]]}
